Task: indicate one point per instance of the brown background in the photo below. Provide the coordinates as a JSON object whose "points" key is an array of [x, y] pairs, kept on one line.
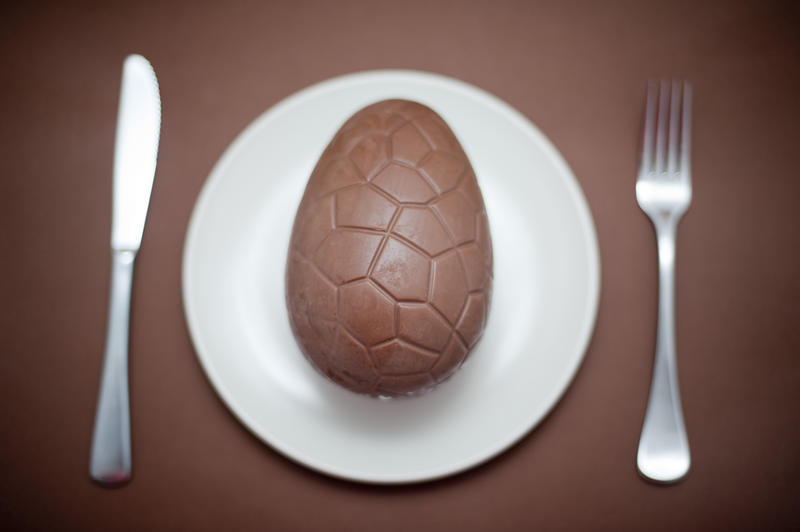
{"points": [[577, 70]]}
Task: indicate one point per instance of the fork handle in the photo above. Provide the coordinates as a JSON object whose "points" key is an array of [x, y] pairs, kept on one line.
{"points": [[663, 454], [110, 462]]}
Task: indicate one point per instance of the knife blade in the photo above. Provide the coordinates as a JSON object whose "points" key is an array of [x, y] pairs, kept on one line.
{"points": [[135, 153]]}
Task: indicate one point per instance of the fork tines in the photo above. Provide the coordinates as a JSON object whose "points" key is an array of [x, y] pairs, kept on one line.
{"points": [[667, 150]]}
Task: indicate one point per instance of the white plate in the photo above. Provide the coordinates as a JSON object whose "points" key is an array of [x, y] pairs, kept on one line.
{"points": [[542, 312]]}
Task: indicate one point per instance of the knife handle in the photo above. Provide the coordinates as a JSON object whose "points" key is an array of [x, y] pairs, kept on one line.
{"points": [[110, 462]]}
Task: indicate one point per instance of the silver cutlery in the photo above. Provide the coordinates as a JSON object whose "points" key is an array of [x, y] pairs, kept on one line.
{"points": [[135, 150], [664, 191]]}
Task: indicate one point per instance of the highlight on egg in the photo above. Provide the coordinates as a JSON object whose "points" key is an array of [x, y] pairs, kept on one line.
{"points": [[389, 272]]}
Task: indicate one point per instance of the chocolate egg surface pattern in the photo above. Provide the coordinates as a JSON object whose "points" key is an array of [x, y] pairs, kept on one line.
{"points": [[390, 262]]}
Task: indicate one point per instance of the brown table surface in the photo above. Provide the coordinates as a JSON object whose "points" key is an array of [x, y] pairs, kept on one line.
{"points": [[578, 71]]}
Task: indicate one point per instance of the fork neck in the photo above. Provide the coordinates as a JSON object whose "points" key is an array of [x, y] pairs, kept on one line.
{"points": [[666, 247], [665, 232]]}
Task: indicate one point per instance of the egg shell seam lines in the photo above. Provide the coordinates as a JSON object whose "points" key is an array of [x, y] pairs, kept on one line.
{"points": [[437, 311], [384, 194], [358, 340], [433, 145], [453, 240], [421, 173], [383, 242]]}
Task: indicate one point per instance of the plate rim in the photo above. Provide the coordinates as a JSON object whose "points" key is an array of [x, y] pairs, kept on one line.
{"points": [[587, 230]]}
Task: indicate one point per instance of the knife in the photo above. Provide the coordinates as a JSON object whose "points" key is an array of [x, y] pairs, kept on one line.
{"points": [[138, 128]]}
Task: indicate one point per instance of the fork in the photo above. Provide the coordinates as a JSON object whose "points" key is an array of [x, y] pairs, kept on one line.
{"points": [[664, 191]]}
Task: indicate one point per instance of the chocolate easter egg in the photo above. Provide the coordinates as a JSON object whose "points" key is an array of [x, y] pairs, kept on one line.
{"points": [[389, 271]]}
